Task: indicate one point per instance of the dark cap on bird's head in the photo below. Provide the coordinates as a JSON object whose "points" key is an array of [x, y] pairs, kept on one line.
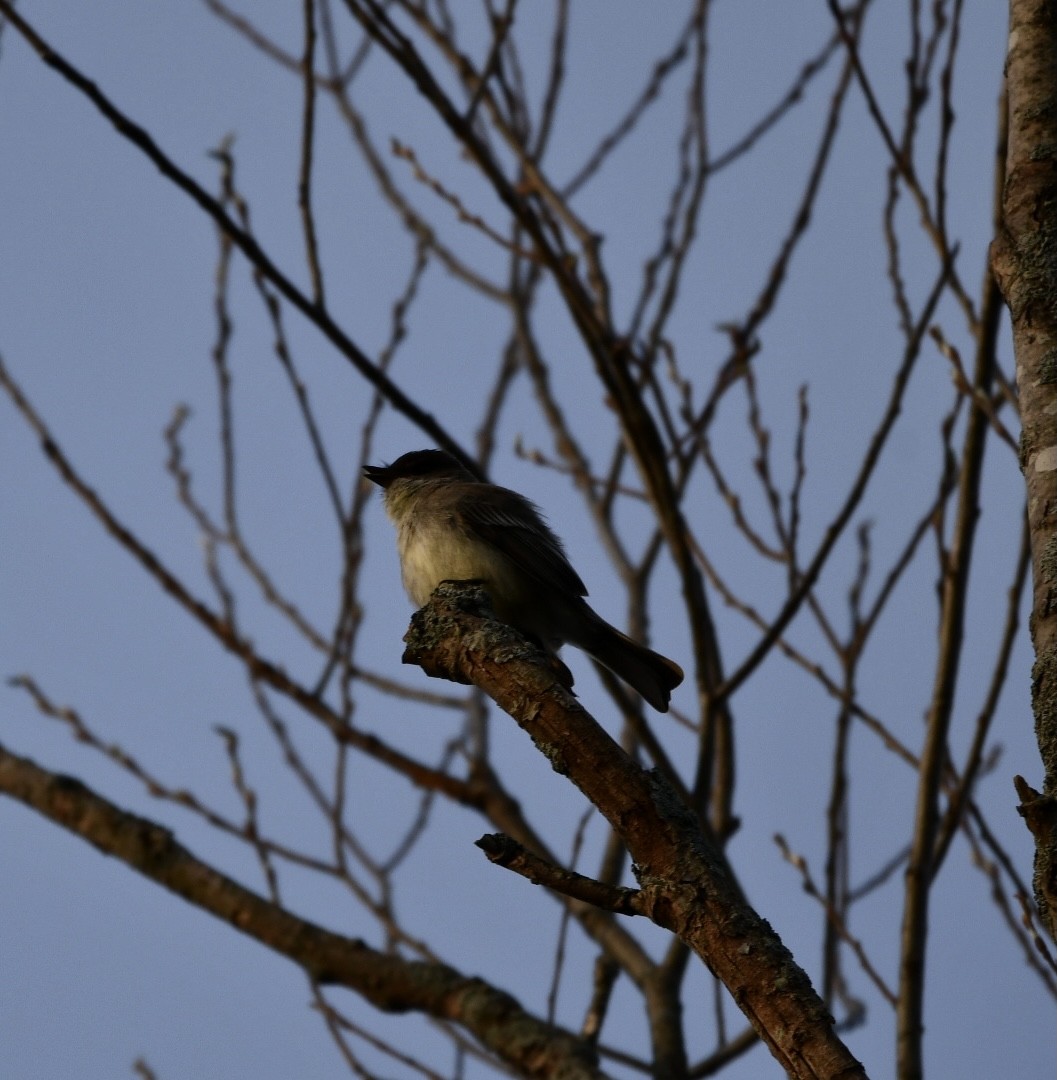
{"points": [[418, 464]]}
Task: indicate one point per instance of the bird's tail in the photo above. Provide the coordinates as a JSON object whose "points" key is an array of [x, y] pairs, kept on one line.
{"points": [[652, 675]]}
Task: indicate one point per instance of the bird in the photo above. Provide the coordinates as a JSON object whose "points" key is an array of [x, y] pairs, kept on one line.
{"points": [[452, 526]]}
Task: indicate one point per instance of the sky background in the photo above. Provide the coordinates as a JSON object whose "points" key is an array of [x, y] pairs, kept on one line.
{"points": [[106, 292]]}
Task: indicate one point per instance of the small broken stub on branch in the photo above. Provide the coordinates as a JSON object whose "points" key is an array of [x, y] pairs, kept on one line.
{"points": [[456, 636]]}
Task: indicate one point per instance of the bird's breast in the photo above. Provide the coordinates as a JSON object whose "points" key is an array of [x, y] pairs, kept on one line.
{"points": [[441, 551]]}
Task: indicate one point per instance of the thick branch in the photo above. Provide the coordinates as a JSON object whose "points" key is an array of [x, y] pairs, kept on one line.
{"points": [[1024, 258], [529, 1045], [685, 885]]}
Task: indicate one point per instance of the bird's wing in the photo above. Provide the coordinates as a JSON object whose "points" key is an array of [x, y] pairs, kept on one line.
{"points": [[516, 527]]}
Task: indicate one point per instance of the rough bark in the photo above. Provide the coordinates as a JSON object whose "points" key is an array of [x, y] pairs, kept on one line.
{"points": [[529, 1045], [1024, 258], [684, 882]]}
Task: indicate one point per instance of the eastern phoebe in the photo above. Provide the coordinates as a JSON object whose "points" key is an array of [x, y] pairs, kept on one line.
{"points": [[450, 526]]}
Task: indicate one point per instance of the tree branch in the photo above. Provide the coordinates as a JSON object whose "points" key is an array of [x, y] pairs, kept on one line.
{"points": [[1023, 264], [506, 852], [686, 886], [388, 982]]}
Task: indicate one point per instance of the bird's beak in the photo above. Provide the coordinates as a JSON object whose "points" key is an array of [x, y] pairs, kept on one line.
{"points": [[378, 474]]}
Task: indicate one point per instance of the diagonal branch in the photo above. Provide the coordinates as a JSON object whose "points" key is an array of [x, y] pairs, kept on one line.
{"points": [[508, 853], [390, 983], [686, 886]]}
